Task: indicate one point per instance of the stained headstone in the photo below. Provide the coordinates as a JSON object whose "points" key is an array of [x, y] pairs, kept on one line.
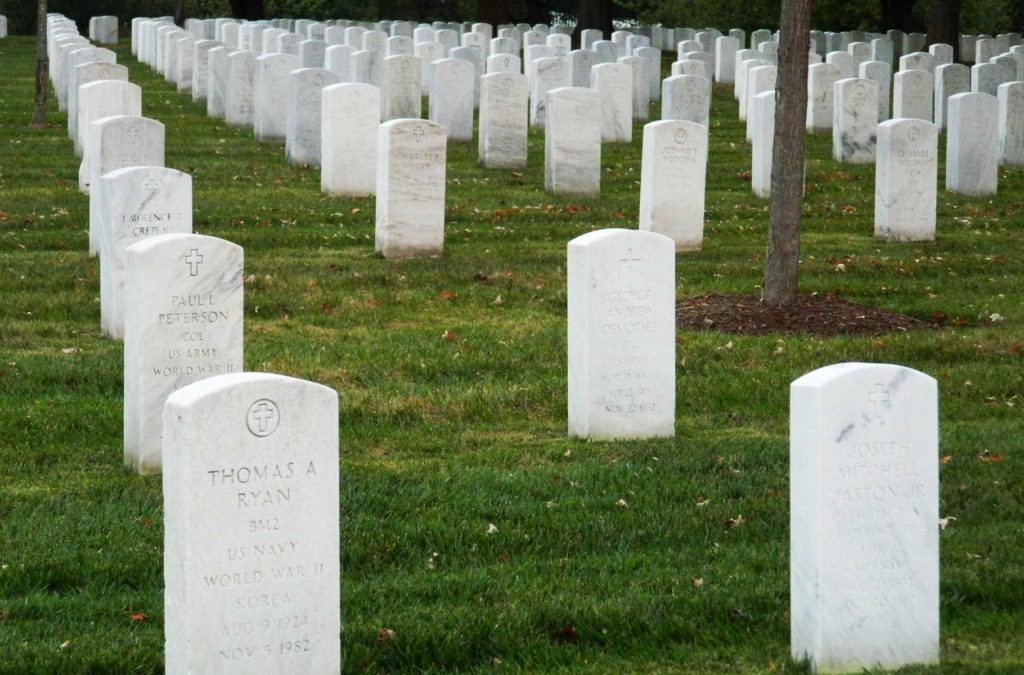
{"points": [[986, 78], [350, 117], [820, 81], [864, 544], [880, 73], [621, 344], [504, 113], [410, 189], [549, 73], [401, 89], [672, 177], [580, 63], [614, 82], [251, 526], [906, 174], [855, 120], [972, 144]]}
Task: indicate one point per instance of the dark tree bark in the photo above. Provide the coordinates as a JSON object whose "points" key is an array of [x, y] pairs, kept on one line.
{"points": [[42, 66], [944, 24], [593, 14], [537, 12], [179, 12], [898, 14], [494, 12], [781, 264], [251, 10]]}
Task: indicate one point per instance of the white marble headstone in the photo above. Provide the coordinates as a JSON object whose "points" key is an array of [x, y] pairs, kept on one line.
{"points": [[348, 162], [504, 112], [251, 527], [820, 80], [451, 97], [614, 82], [1011, 124], [855, 120], [621, 335], [572, 142], [913, 95], [864, 535], [238, 91], [270, 108], [401, 90], [183, 323], [672, 178], [410, 189], [906, 175], [972, 144], [105, 97], [302, 117]]}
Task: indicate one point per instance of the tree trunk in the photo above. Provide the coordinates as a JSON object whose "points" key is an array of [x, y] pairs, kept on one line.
{"points": [[593, 14], [783, 257], [897, 14], [494, 12], [944, 24], [179, 12], [42, 65]]}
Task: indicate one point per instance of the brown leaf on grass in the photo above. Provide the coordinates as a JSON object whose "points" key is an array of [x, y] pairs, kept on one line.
{"points": [[987, 456], [734, 522], [946, 459], [71, 350], [697, 582], [450, 336], [137, 616], [567, 634], [447, 295], [385, 635]]}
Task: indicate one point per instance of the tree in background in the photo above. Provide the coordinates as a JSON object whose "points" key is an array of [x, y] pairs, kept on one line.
{"points": [[593, 14], [250, 10], [944, 24], [179, 12], [781, 264], [42, 65]]}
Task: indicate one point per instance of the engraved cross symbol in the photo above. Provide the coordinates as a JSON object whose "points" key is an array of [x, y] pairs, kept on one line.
{"points": [[878, 397], [630, 257], [193, 259], [263, 413], [132, 133], [418, 133]]}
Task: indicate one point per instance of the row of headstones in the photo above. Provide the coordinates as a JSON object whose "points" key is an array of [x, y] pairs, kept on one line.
{"points": [[250, 462], [334, 124]]}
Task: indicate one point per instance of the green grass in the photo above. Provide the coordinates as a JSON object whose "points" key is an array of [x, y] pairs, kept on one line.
{"points": [[441, 438]]}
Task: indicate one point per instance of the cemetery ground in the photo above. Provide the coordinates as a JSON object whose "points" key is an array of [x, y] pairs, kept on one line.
{"points": [[475, 534]]}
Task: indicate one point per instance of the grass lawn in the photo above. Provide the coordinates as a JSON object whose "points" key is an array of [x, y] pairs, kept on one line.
{"points": [[442, 437]]}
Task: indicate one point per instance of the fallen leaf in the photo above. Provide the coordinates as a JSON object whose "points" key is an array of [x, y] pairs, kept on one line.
{"points": [[137, 616], [946, 459], [71, 350], [450, 336], [987, 456], [697, 582], [447, 295], [567, 634], [944, 522], [492, 528], [622, 504], [385, 635], [734, 522], [65, 644]]}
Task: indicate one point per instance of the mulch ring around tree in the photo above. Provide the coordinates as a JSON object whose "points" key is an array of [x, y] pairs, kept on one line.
{"points": [[817, 314]]}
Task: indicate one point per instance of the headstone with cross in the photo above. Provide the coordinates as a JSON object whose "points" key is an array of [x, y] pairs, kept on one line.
{"points": [[906, 175], [401, 90], [182, 323], [135, 203], [621, 335], [251, 543], [348, 162], [864, 517], [504, 110], [410, 188], [673, 169]]}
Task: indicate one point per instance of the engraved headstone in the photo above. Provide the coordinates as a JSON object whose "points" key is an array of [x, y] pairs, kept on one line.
{"points": [[572, 141], [410, 189], [104, 97], [950, 79], [864, 544], [820, 81], [685, 97], [672, 177], [216, 80], [972, 144], [906, 175], [134, 203], [401, 90], [351, 115], [855, 121], [621, 342], [251, 526], [238, 90], [504, 111], [549, 73], [880, 73], [614, 82], [913, 95]]}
